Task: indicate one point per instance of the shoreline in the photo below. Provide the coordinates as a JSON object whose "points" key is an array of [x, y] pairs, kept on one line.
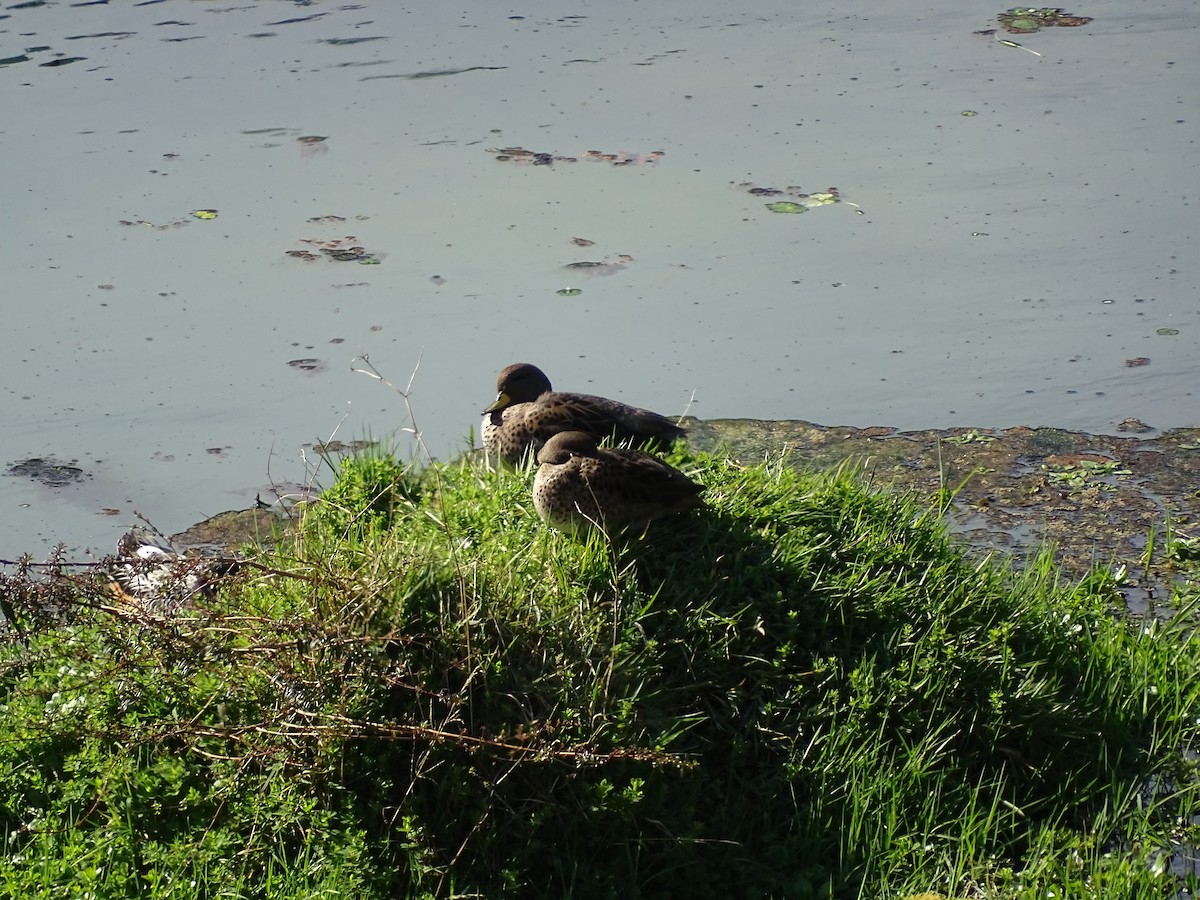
{"points": [[1096, 498]]}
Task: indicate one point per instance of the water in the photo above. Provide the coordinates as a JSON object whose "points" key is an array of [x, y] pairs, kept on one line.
{"points": [[1005, 266]]}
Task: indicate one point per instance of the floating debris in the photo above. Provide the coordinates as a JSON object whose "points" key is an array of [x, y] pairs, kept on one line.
{"points": [[1020, 24], [312, 144], [345, 249], [601, 267], [522, 157], [1167, 331], [177, 223], [435, 73], [48, 471], [204, 213], [569, 292], [1028, 19], [337, 446], [274, 132], [62, 60], [1137, 361], [582, 242], [1018, 46], [346, 42], [308, 364], [350, 254], [625, 159], [799, 202]]}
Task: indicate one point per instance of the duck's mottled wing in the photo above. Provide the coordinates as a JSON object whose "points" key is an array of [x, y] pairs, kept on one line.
{"points": [[601, 417], [641, 483]]}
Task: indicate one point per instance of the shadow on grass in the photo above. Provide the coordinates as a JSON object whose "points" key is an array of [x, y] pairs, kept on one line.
{"points": [[805, 691]]}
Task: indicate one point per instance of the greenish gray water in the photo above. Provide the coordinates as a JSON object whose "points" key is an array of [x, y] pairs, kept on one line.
{"points": [[1004, 268]]}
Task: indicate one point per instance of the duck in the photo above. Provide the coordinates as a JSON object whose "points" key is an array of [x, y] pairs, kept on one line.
{"points": [[580, 485], [151, 575], [527, 412]]}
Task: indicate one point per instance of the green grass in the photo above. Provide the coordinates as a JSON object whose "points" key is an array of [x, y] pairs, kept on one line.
{"points": [[808, 691]]}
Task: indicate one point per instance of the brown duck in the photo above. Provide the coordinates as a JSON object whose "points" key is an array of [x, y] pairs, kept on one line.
{"points": [[527, 413], [580, 485]]}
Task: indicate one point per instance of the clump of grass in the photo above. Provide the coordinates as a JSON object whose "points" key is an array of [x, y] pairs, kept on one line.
{"points": [[807, 691]]}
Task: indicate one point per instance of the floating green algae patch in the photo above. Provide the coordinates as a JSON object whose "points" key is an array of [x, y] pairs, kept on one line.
{"points": [[1027, 19], [799, 201]]}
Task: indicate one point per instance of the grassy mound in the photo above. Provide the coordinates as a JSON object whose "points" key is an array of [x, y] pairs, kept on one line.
{"points": [[808, 691]]}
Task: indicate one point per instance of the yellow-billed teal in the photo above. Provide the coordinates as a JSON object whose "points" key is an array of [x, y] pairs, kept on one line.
{"points": [[580, 485], [527, 413]]}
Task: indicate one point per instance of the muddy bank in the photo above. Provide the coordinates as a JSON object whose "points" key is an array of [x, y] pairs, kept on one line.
{"points": [[1097, 498]]}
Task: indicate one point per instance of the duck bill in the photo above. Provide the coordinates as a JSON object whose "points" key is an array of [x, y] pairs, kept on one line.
{"points": [[502, 401]]}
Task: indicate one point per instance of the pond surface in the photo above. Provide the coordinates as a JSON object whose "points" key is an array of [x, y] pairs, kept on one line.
{"points": [[1014, 245]]}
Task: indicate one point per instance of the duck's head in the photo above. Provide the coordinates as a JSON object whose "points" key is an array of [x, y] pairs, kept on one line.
{"points": [[519, 383], [562, 446]]}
